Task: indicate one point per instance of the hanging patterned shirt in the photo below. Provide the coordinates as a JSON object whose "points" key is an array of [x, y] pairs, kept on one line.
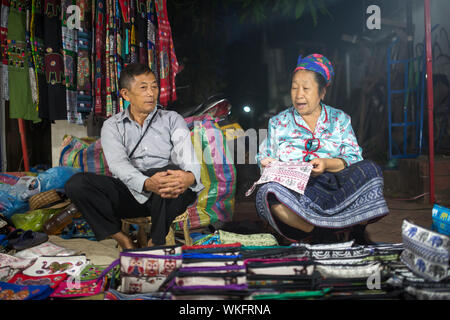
{"points": [[290, 139]]}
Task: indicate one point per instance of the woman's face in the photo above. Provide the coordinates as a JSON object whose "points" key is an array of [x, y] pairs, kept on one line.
{"points": [[305, 94]]}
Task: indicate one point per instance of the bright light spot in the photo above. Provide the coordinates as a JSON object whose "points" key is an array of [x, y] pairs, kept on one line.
{"points": [[247, 109]]}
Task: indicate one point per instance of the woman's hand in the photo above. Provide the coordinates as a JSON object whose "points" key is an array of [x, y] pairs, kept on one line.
{"points": [[266, 161], [320, 165]]}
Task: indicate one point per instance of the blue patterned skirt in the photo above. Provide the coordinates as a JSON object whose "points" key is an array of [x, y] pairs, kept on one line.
{"points": [[331, 200]]}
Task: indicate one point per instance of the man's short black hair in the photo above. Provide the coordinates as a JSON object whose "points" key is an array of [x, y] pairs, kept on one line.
{"points": [[129, 72]]}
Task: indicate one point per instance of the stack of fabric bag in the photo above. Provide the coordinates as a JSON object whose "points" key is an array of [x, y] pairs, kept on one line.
{"points": [[214, 271], [331, 271], [143, 272], [426, 257]]}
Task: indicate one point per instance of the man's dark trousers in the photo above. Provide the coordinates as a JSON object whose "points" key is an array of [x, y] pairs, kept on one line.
{"points": [[104, 201]]}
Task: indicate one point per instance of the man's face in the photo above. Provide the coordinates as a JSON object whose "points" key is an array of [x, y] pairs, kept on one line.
{"points": [[142, 94]]}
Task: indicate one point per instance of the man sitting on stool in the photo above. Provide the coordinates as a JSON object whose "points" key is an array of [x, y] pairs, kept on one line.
{"points": [[151, 156]]}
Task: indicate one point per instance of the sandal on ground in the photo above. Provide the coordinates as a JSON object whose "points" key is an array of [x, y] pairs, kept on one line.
{"points": [[20, 240]]}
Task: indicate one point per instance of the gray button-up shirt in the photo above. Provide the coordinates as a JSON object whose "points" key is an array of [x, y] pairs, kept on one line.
{"points": [[166, 141]]}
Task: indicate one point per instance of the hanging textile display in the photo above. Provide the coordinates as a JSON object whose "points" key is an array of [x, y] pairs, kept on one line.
{"points": [[4, 49], [70, 48], [21, 104], [168, 67], [151, 37], [140, 22], [99, 57], [4, 12], [55, 108], [84, 47], [37, 51], [69, 55]]}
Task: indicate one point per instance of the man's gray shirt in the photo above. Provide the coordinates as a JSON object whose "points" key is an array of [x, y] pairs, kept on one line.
{"points": [[167, 141]]}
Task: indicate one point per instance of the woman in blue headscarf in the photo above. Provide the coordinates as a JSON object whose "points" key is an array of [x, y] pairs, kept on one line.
{"points": [[344, 192]]}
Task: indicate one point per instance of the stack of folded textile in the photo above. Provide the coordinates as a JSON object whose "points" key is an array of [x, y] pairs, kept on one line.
{"points": [[274, 277], [210, 272], [426, 255], [358, 272]]}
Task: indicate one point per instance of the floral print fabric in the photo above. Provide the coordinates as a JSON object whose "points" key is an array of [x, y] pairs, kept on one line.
{"points": [[288, 135]]}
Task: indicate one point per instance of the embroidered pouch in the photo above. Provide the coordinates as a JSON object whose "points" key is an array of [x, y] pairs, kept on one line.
{"points": [[209, 268], [44, 249], [430, 245], [72, 288], [212, 248], [79, 228], [348, 271], [6, 273], [208, 288], [427, 269], [287, 267], [275, 252], [52, 280], [289, 295], [257, 239], [14, 262], [150, 262], [91, 272], [292, 175], [112, 294], [210, 278], [427, 294], [350, 253], [72, 265], [217, 263], [145, 270], [10, 291], [133, 285]]}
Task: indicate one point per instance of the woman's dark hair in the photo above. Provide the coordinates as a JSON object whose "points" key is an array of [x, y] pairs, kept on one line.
{"points": [[129, 72], [321, 82]]}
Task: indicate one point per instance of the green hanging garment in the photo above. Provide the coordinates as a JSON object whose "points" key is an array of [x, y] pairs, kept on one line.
{"points": [[21, 103]]}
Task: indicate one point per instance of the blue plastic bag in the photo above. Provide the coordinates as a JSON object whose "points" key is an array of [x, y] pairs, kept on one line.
{"points": [[56, 178], [10, 205], [14, 198]]}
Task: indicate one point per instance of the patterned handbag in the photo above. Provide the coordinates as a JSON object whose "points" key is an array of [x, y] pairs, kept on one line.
{"points": [[145, 270], [427, 253]]}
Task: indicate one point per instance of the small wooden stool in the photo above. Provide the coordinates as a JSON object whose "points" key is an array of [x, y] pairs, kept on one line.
{"points": [[144, 225]]}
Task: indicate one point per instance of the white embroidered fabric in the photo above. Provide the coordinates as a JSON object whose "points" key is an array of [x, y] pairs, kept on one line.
{"points": [[293, 175]]}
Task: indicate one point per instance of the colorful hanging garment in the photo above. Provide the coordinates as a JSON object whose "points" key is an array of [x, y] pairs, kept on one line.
{"points": [[168, 64], [140, 23], [70, 48], [4, 49], [116, 52], [151, 37], [54, 62], [100, 58], [133, 51], [37, 52], [21, 102], [108, 65], [84, 47]]}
